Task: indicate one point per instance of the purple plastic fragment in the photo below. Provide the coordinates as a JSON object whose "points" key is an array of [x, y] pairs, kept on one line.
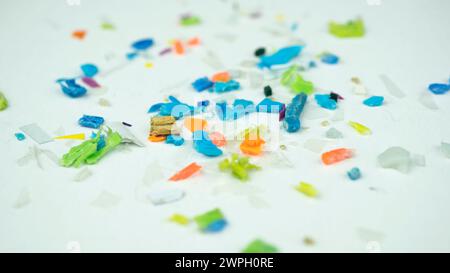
{"points": [[90, 82]]}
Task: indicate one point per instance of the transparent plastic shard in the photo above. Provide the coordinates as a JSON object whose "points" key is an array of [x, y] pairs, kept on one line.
{"points": [[334, 133], [339, 115], [315, 145], [419, 160], [36, 133], [256, 79], [23, 199], [106, 200], [34, 154], [445, 148], [213, 61], [396, 158], [257, 202], [166, 196], [82, 175], [393, 89], [427, 100], [153, 173], [125, 133]]}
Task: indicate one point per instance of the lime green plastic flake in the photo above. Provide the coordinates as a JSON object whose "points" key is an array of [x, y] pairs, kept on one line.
{"points": [[179, 219], [291, 79], [239, 166], [190, 21], [361, 129], [307, 189], [108, 26], [3, 102], [259, 246], [206, 219], [87, 153], [351, 29]]}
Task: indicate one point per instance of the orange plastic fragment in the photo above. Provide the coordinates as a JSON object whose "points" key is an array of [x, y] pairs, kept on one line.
{"points": [[154, 138], [252, 146], [218, 139], [194, 41], [336, 156], [221, 77], [186, 172], [178, 46], [79, 34], [195, 124]]}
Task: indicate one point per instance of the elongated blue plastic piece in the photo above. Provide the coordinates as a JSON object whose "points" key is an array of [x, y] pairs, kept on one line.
{"points": [[204, 145], [143, 44], [293, 111], [282, 56]]}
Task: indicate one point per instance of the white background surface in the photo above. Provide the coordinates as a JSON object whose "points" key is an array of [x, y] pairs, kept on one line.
{"points": [[406, 40]]}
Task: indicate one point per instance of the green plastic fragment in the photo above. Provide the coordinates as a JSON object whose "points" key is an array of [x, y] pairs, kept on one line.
{"points": [[190, 21], [86, 152], [206, 219], [108, 26], [259, 246], [351, 29], [293, 80], [239, 166], [3, 102]]}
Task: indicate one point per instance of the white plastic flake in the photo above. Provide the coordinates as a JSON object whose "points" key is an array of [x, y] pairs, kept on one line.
{"points": [[166, 196], [106, 200], [396, 158]]}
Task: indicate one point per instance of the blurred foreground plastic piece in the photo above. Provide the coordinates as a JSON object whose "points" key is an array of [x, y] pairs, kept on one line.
{"points": [[71, 88], [361, 129], [351, 29], [186, 172], [282, 56], [36, 133], [93, 122], [307, 189], [239, 166], [329, 58], [218, 139], [143, 44], [173, 108], [392, 87], [179, 219], [439, 88], [195, 124], [291, 121], [324, 101], [395, 158], [165, 196], [354, 174], [175, 140], [445, 148], [259, 246], [336, 156], [3, 102], [87, 153], [374, 101], [75, 136], [211, 221], [79, 34], [204, 145], [291, 79]]}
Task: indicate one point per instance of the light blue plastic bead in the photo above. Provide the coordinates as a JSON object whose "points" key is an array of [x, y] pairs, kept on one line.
{"points": [[89, 70], [354, 174], [20, 136], [374, 101]]}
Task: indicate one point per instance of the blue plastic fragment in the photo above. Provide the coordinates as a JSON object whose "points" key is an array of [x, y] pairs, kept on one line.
{"points": [[329, 58], [203, 103], [324, 101], [93, 122], [439, 88], [293, 111], [19, 136], [132, 55], [71, 88], [102, 141], [354, 174], [89, 70], [143, 44], [173, 108], [312, 64], [204, 145], [216, 226], [202, 84], [222, 87], [269, 106], [374, 101], [155, 108], [175, 140], [240, 108], [282, 56]]}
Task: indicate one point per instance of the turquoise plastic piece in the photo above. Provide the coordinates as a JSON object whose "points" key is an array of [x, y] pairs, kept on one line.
{"points": [[89, 70], [222, 87], [324, 101], [374, 101], [354, 174], [175, 140], [204, 145], [280, 57], [71, 88], [270, 106], [291, 121]]}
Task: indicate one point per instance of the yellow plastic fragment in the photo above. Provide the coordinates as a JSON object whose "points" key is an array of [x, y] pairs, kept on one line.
{"points": [[76, 136], [307, 189], [361, 129], [179, 219], [149, 65]]}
